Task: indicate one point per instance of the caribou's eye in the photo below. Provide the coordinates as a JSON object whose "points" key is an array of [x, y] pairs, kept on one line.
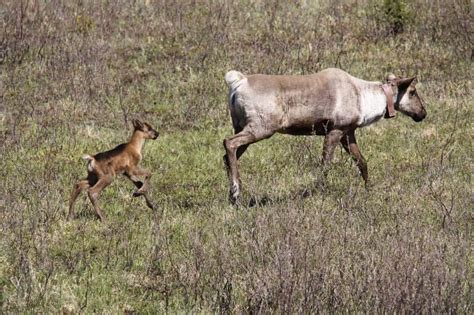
{"points": [[412, 93]]}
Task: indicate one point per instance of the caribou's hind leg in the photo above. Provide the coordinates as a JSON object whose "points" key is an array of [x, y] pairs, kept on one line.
{"points": [[350, 145], [330, 141], [235, 146]]}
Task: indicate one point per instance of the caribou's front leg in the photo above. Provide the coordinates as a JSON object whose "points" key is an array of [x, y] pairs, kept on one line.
{"points": [[350, 145]]}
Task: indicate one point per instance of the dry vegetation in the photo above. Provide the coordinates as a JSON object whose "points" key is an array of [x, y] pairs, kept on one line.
{"points": [[74, 73]]}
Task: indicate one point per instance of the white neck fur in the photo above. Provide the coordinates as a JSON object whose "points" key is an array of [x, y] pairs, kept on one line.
{"points": [[373, 104]]}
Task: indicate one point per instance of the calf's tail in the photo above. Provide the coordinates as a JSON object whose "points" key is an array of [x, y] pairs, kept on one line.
{"points": [[90, 162]]}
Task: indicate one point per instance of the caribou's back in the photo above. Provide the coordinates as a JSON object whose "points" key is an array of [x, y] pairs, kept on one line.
{"points": [[304, 104]]}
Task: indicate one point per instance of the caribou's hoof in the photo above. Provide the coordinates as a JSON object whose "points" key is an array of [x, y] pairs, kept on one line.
{"points": [[368, 186], [233, 201], [234, 194], [138, 193], [321, 185], [306, 193]]}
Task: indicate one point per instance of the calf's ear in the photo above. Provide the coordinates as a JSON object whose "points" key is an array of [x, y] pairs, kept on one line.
{"points": [[137, 124]]}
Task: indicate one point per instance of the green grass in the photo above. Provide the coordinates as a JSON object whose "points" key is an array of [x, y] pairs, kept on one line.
{"points": [[70, 86]]}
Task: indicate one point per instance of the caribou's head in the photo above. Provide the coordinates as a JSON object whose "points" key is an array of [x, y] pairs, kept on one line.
{"points": [[407, 100]]}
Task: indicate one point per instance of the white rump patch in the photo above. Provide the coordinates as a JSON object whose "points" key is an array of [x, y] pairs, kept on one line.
{"points": [[233, 79], [233, 76]]}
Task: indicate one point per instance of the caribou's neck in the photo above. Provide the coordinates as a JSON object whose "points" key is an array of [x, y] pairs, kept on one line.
{"points": [[373, 105]]}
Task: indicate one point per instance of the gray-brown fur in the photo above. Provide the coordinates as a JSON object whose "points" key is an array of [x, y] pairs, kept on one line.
{"points": [[330, 103], [123, 159]]}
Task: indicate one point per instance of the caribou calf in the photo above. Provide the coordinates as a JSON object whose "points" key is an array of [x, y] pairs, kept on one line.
{"points": [[123, 159], [331, 103]]}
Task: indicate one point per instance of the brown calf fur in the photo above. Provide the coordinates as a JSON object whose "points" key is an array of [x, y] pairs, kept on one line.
{"points": [[123, 159]]}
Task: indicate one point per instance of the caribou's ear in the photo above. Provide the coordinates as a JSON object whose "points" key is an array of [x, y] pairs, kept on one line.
{"points": [[405, 83], [137, 124], [391, 77]]}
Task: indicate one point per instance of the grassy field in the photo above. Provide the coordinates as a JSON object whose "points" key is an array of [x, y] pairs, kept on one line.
{"points": [[73, 74]]}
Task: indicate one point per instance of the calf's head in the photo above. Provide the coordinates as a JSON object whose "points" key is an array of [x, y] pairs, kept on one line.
{"points": [[146, 129], [407, 100]]}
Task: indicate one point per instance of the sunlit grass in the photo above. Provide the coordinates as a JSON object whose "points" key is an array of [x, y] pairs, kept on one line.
{"points": [[296, 244]]}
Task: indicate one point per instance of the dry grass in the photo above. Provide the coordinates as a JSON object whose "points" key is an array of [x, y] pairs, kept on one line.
{"points": [[74, 73]]}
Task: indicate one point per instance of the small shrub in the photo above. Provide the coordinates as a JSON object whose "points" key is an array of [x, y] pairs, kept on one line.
{"points": [[397, 14]]}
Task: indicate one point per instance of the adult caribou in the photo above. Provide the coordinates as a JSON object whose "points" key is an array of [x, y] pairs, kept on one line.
{"points": [[331, 103]]}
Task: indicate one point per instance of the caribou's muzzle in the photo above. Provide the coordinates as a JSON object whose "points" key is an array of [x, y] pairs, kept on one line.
{"points": [[419, 116]]}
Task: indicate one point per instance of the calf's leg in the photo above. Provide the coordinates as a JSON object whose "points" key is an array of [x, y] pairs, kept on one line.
{"points": [[94, 191], [139, 184], [80, 186], [84, 184], [134, 176]]}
